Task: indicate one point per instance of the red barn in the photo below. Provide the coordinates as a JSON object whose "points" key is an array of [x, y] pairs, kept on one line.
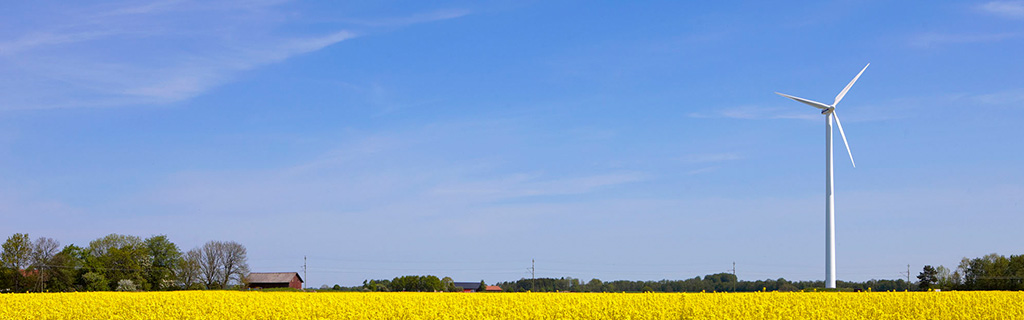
{"points": [[263, 280]]}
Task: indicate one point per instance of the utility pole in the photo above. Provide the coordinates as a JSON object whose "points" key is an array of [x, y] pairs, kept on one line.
{"points": [[40, 276], [533, 275], [735, 278], [304, 279], [908, 277]]}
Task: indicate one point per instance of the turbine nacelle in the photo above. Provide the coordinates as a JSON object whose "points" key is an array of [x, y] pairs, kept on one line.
{"points": [[829, 110]]}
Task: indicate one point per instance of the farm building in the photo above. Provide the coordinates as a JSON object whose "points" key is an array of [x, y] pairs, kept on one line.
{"points": [[472, 286], [468, 286], [263, 280]]}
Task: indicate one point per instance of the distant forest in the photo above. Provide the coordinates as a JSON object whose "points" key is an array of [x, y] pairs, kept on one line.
{"points": [[991, 272], [721, 282], [131, 263]]}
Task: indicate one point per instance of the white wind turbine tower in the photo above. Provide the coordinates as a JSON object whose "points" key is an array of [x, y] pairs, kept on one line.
{"points": [[830, 224]]}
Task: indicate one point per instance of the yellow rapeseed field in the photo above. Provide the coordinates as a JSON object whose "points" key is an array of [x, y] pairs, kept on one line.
{"points": [[401, 305]]}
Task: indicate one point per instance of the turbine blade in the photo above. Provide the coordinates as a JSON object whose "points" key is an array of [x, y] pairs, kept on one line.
{"points": [[843, 93], [812, 103], [843, 134]]}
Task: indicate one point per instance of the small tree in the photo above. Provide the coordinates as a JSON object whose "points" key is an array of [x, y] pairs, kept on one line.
{"points": [[946, 278], [189, 270], [482, 287], [927, 277], [165, 258], [234, 263], [448, 284], [17, 256], [209, 264], [95, 282], [126, 285], [42, 256]]}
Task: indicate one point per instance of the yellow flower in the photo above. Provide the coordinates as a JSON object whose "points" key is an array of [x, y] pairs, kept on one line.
{"points": [[412, 305]]}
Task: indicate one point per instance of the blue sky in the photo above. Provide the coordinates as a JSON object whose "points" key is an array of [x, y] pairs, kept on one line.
{"points": [[613, 140]]}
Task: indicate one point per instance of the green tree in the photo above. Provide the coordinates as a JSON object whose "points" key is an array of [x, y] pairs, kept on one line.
{"points": [[1016, 271], [927, 278], [16, 257], [945, 279], [482, 287], [95, 281], [120, 257], [69, 265], [448, 284], [967, 276], [415, 283], [430, 284], [377, 285], [165, 257]]}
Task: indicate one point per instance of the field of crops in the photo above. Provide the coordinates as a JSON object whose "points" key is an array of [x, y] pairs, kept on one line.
{"points": [[299, 305]]}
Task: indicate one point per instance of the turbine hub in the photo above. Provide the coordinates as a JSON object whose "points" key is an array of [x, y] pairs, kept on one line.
{"points": [[827, 111]]}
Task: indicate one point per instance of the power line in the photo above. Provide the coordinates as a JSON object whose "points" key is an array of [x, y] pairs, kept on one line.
{"points": [[91, 268]]}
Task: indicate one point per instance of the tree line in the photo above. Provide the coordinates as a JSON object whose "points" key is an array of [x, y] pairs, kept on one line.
{"points": [[990, 272], [719, 282], [131, 263], [119, 262], [428, 283]]}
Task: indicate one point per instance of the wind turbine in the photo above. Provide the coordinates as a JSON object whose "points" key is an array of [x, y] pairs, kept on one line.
{"points": [[829, 110]]}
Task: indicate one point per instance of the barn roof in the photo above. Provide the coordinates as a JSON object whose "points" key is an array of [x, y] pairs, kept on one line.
{"points": [[468, 285], [272, 277]]}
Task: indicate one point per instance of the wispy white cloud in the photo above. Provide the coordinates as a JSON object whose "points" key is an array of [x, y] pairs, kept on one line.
{"points": [[1010, 98], [373, 175], [1007, 9], [1004, 98], [432, 16], [935, 39], [707, 162], [711, 157], [156, 52], [34, 40], [702, 170], [145, 8], [197, 75], [526, 185]]}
